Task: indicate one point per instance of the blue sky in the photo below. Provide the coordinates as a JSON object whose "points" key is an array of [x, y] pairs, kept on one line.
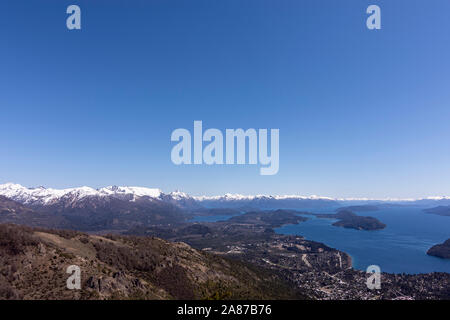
{"points": [[361, 113]]}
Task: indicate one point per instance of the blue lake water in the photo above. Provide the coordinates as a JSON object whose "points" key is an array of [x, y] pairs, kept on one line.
{"points": [[400, 247]]}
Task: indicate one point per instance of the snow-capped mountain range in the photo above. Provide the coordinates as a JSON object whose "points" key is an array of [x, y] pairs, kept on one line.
{"points": [[85, 208], [125, 208], [41, 196], [48, 196]]}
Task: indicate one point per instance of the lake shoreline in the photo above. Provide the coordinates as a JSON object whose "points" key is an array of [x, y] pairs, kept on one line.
{"points": [[399, 248]]}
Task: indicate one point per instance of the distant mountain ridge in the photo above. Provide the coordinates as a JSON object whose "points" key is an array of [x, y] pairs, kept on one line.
{"points": [[40, 197], [266, 201]]}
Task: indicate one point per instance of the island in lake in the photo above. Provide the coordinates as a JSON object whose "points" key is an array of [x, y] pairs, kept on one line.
{"points": [[440, 250], [441, 211], [349, 219]]}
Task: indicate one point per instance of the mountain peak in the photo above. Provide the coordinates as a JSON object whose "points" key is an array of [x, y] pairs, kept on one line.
{"points": [[45, 196], [137, 191]]}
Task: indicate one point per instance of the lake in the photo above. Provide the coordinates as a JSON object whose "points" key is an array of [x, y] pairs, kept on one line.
{"points": [[399, 248]]}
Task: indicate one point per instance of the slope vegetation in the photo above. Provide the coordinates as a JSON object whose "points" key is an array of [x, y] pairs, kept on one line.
{"points": [[33, 264]]}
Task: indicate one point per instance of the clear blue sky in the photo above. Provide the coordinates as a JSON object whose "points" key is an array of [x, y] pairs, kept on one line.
{"points": [[361, 113]]}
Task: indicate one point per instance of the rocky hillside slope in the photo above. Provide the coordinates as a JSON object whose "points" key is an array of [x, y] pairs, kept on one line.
{"points": [[33, 265]]}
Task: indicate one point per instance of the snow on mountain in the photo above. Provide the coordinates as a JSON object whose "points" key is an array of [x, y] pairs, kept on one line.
{"points": [[438, 198], [306, 202], [41, 196], [265, 201], [178, 195], [136, 191], [48, 196], [237, 197]]}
